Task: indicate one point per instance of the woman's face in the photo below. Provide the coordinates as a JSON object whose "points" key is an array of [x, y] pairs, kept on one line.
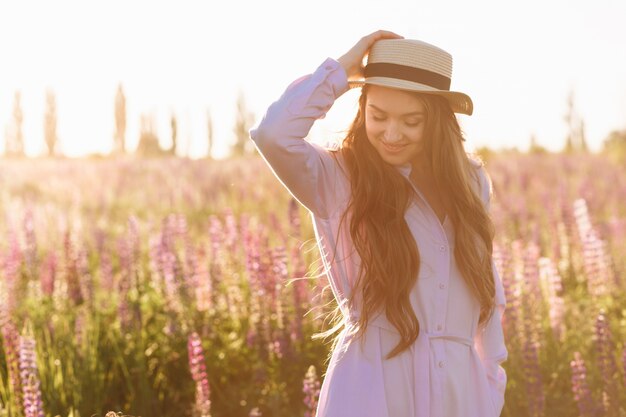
{"points": [[394, 123]]}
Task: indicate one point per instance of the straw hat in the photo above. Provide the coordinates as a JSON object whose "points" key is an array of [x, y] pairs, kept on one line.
{"points": [[410, 64]]}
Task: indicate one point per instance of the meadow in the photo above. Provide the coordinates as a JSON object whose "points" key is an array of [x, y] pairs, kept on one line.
{"points": [[175, 287]]}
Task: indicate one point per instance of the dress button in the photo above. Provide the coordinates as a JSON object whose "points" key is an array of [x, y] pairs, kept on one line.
{"points": [[441, 364], [439, 327], [329, 67], [442, 248], [442, 285]]}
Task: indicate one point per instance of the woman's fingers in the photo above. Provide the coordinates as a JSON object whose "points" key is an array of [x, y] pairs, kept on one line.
{"points": [[352, 61]]}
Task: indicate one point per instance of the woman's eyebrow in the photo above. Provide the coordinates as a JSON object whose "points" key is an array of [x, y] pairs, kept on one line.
{"points": [[406, 114]]}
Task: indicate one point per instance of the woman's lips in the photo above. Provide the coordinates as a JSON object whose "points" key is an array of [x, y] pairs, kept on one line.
{"points": [[393, 149]]}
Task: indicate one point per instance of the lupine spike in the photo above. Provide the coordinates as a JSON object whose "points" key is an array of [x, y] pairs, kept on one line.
{"points": [[311, 390], [199, 375]]}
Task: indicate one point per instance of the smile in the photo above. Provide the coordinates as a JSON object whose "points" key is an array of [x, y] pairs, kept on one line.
{"points": [[391, 148]]}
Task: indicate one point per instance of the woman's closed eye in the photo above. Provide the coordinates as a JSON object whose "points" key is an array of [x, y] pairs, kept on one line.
{"points": [[408, 124]]}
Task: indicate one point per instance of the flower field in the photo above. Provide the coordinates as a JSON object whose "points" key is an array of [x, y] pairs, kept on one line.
{"points": [[174, 287]]}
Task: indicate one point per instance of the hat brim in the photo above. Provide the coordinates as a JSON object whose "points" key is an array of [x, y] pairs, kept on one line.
{"points": [[459, 102]]}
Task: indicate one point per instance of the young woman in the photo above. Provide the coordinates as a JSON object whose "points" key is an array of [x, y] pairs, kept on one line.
{"points": [[400, 213]]}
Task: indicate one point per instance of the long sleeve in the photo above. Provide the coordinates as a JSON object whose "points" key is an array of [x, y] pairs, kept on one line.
{"points": [[489, 341], [306, 169]]}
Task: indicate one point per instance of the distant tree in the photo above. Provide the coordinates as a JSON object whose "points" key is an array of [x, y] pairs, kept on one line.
{"points": [[148, 139], [534, 147], [243, 123], [173, 125], [582, 136], [50, 123], [209, 133], [614, 146], [120, 121], [14, 138], [575, 140]]}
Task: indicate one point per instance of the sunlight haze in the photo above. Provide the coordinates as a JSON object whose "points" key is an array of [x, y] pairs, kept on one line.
{"points": [[516, 60]]}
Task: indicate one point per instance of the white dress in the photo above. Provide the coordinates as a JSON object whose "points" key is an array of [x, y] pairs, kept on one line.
{"points": [[452, 369]]}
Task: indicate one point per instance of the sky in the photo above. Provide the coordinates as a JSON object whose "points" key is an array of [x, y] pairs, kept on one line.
{"points": [[518, 61]]}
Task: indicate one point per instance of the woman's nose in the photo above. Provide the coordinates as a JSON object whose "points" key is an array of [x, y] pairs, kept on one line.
{"points": [[392, 134]]}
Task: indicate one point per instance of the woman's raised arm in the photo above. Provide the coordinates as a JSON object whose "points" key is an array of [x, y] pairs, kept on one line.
{"points": [[306, 169]]}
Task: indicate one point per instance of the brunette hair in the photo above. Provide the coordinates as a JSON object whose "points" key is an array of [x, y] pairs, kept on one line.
{"points": [[380, 196]]}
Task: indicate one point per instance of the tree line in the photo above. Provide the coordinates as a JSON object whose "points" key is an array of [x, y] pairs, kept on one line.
{"points": [[148, 144], [614, 144]]}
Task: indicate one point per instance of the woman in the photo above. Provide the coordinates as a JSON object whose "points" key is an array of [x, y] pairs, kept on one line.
{"points": [[400, 213]]}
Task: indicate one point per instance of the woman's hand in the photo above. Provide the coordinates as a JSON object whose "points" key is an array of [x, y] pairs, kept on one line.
{"points": [[352, 61]]}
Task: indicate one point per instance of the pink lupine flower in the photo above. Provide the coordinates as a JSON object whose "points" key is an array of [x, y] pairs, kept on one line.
{"points": [[106, 273], [48, 274], [580, 387], [12, 265], [552, 281], [71, 270], [311, 390], [596, 260], [11, 338], [534, 383], [231, 235], [199, 375], [606, 362], [203, 282], [294, 218], [133, 240], [33, 405], [216, 235], [279, 270], [624, 364], [30, 251]]}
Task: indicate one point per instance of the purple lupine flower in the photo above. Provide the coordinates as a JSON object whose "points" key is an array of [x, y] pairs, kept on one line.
{"points": [[30, 251], [311, 390], [106, 272], [534, 384], [294, 218], [606, 362], [596, 261], [48, 274], [216, 236], [554, 288], [79, 327], [133, 250], [33, 405], [171, 283], [276, 348], [275, 223], [204, 283], [71, 270], [84, 274], [624, 364], [531, 269], [154, 260], [199, 375], [580, 387], [279, 270], [11, 337], [231, 235], [100, 238], [11, 267]]}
